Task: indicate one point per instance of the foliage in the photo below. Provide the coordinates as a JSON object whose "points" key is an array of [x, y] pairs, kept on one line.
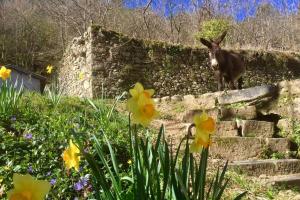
{"points": [[34, 140], [296, 134], [213, 28], [155, 172], [9, 99], [54, 94]]}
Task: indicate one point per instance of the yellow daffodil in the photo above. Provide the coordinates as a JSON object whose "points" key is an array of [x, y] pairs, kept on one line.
{"points": [[205, 126], [71, 157], [27, 188], [4, 73], [141, 105], [49, 69], [81, 76]]}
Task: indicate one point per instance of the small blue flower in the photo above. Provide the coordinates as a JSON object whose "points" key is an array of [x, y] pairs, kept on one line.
{"points": [[78, 186], [28, 136], [53, 181], [30, 170], [48, 173]]}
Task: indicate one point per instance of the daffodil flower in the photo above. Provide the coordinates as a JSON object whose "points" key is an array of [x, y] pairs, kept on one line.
{"points": [[71, 157], [4, 73], [27, 188], [141, 105], [49, 69], [205, 126], [81, 76]]}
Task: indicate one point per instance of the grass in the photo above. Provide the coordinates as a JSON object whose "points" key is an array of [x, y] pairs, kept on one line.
{"points": [[33, 140]]}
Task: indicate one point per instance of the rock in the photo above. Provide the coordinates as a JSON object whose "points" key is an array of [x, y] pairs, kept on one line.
{"points": [[226, 129], [289, 87], [253, 128], [241, 148], [278, 145], [188, 97], [247, 95], [176, 98], [245, 112], [208, 100], [266, 167], [285, 126], [189, 115], [165, 99]]}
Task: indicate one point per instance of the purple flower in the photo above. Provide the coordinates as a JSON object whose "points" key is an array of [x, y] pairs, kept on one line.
{"points": [[83, 182], [48, 173], [53, 181], [78, 186], [30, 170], [28, 136]]}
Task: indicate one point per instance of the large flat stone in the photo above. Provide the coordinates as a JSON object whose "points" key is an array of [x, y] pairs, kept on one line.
{"points": [[246, 95], [253, 128], [290, 180], [266, 167], [243, 148], [245, 112]]}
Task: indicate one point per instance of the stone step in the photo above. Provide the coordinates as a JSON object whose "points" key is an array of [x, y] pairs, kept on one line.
{"points": [[241, 112], [268, 167], [254, 128], [244, 148], [288, 181]]}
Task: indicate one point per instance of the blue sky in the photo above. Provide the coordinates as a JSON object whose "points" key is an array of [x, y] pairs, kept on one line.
{"points": [[287, 6]]}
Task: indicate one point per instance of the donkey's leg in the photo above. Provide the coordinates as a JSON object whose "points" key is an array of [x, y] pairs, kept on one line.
{"points": [[219, 78], [231, 84], [240, 83]]}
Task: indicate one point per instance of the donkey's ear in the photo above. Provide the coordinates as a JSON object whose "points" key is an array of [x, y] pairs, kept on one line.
{"points": [[205, 42], [221, 38]]}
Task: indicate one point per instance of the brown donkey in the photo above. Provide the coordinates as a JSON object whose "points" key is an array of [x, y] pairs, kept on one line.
{"points": [[226, 65]]}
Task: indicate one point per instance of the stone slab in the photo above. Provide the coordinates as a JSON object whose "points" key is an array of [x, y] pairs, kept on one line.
{"points": [[246, 95], [266, 167], [243, 148], [245, 112], [254, 128], [188, 116], [290, 180], [226, 129]]}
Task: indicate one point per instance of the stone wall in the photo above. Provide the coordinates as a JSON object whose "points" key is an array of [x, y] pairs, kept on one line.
{"points": [[114, 62], [76, 68]]}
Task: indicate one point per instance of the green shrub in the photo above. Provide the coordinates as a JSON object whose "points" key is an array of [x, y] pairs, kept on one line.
{"points": [[213, 28]]}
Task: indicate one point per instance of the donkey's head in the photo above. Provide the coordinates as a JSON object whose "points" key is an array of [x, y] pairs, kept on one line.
{"points": [[214, 48]]}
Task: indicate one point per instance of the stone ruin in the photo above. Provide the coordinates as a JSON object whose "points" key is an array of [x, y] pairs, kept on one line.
{"points": [[106, 63], [254, 128], [254, 124]]}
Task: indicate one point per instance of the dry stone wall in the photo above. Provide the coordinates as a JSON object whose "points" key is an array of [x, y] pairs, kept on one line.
{"points": [[113, 62], [75, 75]]}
